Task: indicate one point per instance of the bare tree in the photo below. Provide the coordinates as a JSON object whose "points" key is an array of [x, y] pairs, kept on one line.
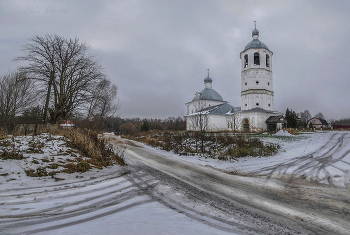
{"points": [[319, 115], [66, 65], [104, 101], [232, 122], [200, 122], [17, 94], [199, 119], [305, 117]]}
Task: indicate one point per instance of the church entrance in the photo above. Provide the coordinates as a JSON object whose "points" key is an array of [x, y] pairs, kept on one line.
{"points": [[246, 125]]}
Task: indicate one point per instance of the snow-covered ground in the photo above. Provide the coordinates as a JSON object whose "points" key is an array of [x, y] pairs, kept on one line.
{"points": [[107, 202], [93, 202], [322, 156]]}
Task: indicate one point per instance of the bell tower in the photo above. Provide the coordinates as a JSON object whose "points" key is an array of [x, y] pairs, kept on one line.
{"points": [[256, 75]]}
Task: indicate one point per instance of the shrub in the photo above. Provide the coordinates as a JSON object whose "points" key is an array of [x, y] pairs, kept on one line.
{"points": [[53, 166], [5, 155], [6, 143], [37, 173], [223, 146], [89, 145], [82, 166], [3, 133], [128, 128]]}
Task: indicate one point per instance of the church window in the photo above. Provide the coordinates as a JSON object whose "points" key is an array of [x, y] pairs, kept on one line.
{"points": [[245, 61], [245, 83], [268, 84], [257, 82], [269, 105], [245, 104], [257, 104], [256, 58], [267, 61]]}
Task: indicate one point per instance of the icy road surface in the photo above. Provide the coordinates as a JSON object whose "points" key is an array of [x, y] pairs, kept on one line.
{"points": [[267, 204]]}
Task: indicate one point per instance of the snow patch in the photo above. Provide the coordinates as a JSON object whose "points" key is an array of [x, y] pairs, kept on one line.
{"points": [[283, 133]]}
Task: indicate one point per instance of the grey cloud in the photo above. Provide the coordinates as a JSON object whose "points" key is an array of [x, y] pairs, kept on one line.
{"points": [[157, 52]]}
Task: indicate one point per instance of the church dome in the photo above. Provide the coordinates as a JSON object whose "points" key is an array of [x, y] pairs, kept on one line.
{"points": [[256, 44], [208, 79], [209, 94], [255, 32]]}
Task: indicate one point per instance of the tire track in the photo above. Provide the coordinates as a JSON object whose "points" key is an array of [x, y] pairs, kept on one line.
{"points": [[312, 165], [46, 229], [226, 209], [91, 204], [286, 207], [180, 208], [62, 186]]}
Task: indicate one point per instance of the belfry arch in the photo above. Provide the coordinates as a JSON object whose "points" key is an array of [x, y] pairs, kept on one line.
{"points": [[256, 58], [267, 60]]}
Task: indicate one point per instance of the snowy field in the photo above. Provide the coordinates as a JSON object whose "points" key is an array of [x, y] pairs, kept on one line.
{"points": [[109, 202]]}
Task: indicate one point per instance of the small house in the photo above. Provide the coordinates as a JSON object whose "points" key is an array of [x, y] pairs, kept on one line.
{"points": [[275, 123], [318, 123], [67, 124]]}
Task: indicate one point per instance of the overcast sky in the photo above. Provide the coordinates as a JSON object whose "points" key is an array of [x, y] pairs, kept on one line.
{"points": [[157, 52]]}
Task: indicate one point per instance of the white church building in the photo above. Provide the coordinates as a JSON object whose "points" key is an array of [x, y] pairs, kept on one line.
{"points": [[210, 112]]}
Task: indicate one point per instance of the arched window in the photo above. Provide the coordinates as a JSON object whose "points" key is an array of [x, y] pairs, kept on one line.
{"points": [[245, 61], [267, 60], [256, 58]]}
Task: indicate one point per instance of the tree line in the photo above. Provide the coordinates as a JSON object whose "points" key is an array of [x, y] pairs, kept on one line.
{"points": [[296, 120], [60, 80], [135, 125]]}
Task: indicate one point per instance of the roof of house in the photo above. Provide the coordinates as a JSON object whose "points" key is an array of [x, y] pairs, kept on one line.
{"points": [[324, 122], [220, 109], [260, 110], [275, 119], [234, 110]]}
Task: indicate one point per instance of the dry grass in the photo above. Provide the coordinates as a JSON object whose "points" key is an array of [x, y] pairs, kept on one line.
{"points": [[97, 151], [39, 172], [223, 146], [94, 151], [5, 155], [3, 133]]}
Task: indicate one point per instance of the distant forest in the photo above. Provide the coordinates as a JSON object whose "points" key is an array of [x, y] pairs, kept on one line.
{"points": [[134, 125], [341, 122]]}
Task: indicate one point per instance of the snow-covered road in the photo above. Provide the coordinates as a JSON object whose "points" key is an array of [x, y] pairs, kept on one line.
{"points": [[101, 203], [305, 206]]}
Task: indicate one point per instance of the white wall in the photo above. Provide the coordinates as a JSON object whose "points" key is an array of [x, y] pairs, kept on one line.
{"points": [[257, 81], [219, 122]]}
